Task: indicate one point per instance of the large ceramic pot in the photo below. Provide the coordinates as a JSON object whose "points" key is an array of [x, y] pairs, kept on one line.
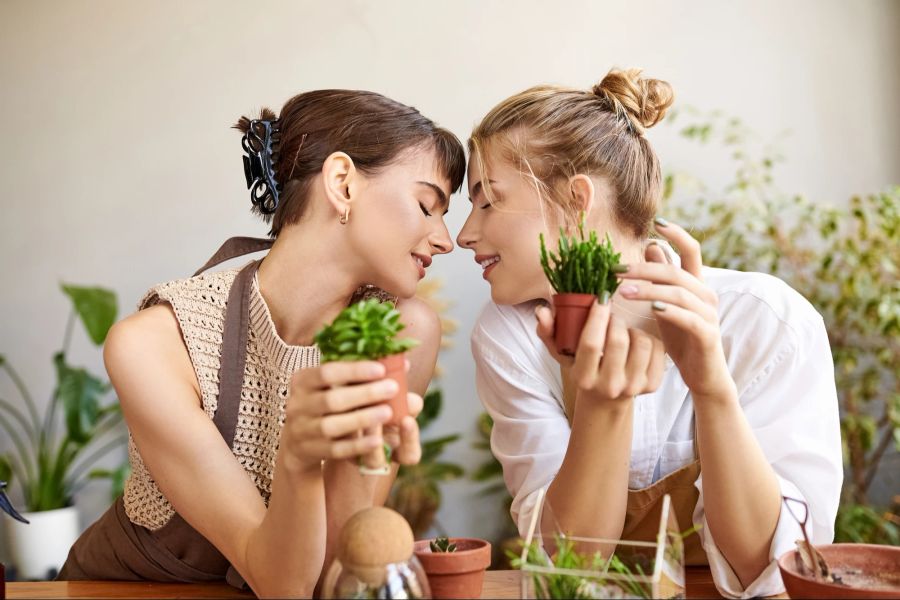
{"points": [[458, 574], [40, 548], [869, 570]]}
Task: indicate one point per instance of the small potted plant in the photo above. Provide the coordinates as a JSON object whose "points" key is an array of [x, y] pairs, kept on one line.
{"points": [[584, 270], [368, 330], [455, 566]]}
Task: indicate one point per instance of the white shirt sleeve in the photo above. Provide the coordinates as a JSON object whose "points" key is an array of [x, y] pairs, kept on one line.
{"points": [[791, 405], [531, 432]]}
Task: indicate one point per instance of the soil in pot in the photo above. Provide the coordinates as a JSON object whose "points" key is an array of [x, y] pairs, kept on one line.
{"points": [[866, 571]]}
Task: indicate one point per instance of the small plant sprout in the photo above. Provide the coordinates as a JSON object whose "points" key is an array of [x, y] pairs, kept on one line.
{"points": [[366, 330], [583, 265], [442, 544]]}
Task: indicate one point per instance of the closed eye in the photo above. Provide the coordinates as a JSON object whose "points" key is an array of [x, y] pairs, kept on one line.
{"points": [[424, 210]]}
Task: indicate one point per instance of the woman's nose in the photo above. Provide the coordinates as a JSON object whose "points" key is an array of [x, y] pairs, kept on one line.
{"points": [[441, 241]]}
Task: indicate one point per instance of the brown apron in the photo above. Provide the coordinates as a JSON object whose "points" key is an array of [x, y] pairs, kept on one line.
{"points": [[644, 507], [114, 548]]}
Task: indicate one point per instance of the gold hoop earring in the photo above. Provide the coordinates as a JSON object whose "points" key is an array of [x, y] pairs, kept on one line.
{"points": [[346, 216]]}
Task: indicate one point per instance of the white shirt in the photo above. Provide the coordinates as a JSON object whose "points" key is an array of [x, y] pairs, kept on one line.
{"points": [[778, 354]]}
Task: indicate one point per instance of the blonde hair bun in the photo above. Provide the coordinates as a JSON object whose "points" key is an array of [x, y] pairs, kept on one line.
{"points": [[644, 101]]}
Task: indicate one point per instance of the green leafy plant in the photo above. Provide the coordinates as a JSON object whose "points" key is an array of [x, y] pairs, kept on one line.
{"points": [[416, 493], [844, 260], [441, 544], [582, 265], [569, 585], [366, 330], [48, 466]]}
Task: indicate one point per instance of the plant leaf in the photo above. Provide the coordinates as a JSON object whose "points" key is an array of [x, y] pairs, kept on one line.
{"points": [[96, 307], [80, 394]]}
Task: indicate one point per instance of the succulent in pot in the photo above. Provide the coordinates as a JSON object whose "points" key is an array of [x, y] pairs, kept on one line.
{"points": [[367, 330], [455, 566], [582, 271]]}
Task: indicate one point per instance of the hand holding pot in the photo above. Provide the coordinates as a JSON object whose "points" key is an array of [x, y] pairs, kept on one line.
{"points": [[685, 310], [612, 362], [329, 404]]}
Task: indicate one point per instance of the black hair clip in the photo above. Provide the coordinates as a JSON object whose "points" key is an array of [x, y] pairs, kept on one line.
{"points": [[259, 143]]}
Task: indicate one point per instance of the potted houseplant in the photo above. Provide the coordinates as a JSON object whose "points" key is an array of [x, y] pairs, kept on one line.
{"points": [[50, 466], [584, 270], [368, 330], [455, 566]]}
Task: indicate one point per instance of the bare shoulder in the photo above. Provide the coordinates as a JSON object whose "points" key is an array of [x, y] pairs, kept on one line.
{"points": [[145, 346], [420, 318], [422, 324]]}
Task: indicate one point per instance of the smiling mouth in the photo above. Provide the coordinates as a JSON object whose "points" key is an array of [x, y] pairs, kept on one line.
{"points": [[422, 262], [487, 262]]}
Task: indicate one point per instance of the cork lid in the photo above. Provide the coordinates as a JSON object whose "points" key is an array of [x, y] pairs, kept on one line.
{"points": [[375, 536]]}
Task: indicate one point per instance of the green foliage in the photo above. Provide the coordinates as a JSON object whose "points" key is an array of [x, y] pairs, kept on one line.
{"points": [[48, 467], [568, 558], [845, 261], [582, 266], [442, 544], [363, 331]]}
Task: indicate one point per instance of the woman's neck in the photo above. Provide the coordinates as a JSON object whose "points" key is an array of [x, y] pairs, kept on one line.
{"points": [[305, 284]]}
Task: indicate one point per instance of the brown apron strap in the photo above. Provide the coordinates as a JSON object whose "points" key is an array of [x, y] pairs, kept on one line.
{"points": [[234, 247], [234, 352]]}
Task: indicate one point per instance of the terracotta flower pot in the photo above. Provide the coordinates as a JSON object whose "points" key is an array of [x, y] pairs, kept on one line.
{"points": [[395, 365], [571, 313], [457, 574], [871, 571]]}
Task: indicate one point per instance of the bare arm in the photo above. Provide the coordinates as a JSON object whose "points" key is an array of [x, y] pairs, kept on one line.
{"points": [[741, 492], [593, 479], [279, 551]]}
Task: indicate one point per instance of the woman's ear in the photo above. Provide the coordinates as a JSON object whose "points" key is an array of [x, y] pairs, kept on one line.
{"points": [[582, 189], [338, 173]]}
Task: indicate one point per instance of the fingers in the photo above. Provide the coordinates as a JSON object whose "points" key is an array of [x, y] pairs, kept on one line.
{"points": [[545, 333], [339, 373], [409, 452], [654, 253], [349, 397], [415, 403], [340, 425], [344, 448], [669, 275], [669, 294], [590, 346], [688, 247], [640, 348], [611, 378], [688, 321]]}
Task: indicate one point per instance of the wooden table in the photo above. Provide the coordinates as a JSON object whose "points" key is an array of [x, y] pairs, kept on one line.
{"points": [[497, 584]]}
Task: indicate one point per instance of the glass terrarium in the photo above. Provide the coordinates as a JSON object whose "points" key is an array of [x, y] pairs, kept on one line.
{"points": [[567, 566], [405, 579]]}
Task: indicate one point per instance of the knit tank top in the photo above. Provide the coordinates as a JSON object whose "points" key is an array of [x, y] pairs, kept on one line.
{"points": [[199, 306]]}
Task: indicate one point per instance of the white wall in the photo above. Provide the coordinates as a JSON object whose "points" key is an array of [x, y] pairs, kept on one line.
{"points": [[118, 166]]}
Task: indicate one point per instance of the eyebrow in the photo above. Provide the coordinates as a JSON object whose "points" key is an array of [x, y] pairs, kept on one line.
{"points": [[479, 188], [442, 196]]}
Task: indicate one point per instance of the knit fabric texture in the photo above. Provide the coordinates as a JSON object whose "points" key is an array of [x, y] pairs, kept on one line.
{"points": [[199, 306]]}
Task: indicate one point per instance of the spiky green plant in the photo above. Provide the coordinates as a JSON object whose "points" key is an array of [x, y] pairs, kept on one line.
{"points": [[583, 265], [442, 544], [366, 330]]}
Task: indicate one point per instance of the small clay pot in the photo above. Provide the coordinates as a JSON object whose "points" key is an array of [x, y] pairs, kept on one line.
{"points": [[395, 367], [572, 311], [458, 574], [870, 560]]}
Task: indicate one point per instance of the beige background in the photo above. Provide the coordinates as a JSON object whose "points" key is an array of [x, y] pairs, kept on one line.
{"points": [[118, 166]]}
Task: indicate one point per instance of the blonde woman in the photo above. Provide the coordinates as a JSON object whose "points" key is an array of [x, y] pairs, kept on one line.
{"points": [[713, 386]]}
